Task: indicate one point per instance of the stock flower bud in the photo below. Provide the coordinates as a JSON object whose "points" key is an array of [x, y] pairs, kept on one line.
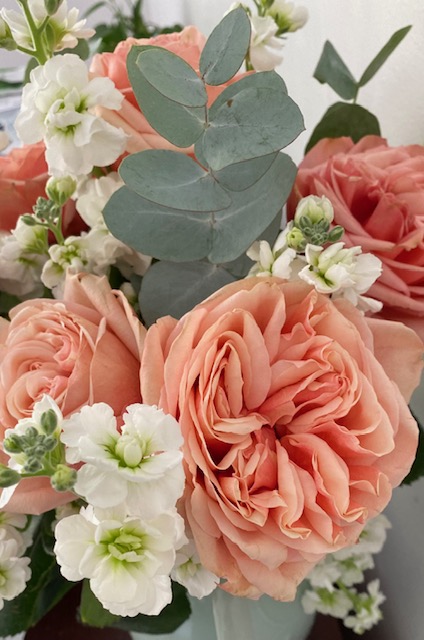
{"points": [[287, 16], [6, 38], [314, 210], [48, 422], [295, 239], [60, 189], [64, 478], [8, 477], [52, 6]]}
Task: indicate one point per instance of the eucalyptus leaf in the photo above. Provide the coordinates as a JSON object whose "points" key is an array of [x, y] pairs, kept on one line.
{"points": [[240, 266], [173, 289], [162, 232], [235, 228], [172, 77], [183, 236], [241, 176], [382, 56], [417, 470], [177, 123], [226, 48], [263, 80], [333, 71], [31, 605], [345, 119], [254, 122], [173, 179]]}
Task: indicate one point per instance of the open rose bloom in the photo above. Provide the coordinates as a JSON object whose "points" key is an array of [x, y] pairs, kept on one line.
{"points": [[378, 197], [294, 415]]}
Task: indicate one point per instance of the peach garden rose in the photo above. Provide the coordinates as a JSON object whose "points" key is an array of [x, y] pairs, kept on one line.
{"points": [[294, 415], [378, 197], [80, 350]]}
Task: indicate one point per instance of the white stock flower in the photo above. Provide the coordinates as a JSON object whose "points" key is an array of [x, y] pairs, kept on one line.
{"points": [[287, 15], [265, 47], [373, 536], [189, 572], [271, 262], [70, 256], [126, 559], [64, 25], [325, 574], [57, 107], [346, 273], [367, 609], [141, 464], [93, 195], [335, 603], [14, 570], [23, 253]]}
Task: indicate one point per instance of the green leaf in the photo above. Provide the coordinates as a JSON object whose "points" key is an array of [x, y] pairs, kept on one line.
{"points": [[382, 56], [45, 588], [184, 236], [162, 232], [417, 470], [241, 176], [173, 179], [173, 289], [172, 77], [345, 119], [178, 123], [167, 621], [254, 122], [332, 70], [226, 48], [92, 612], [235, 228], [240, 266], [7, 302]]}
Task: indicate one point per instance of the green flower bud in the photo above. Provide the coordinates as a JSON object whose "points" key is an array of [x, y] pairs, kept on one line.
{"points": [[295, 239], [12, 444], [6, 38], [48, 422], [52, 6], [8, 477], [33, 465], [60, 189], [50, 443], [335, 234], [64, 478], [29, 220], [314, 210]]}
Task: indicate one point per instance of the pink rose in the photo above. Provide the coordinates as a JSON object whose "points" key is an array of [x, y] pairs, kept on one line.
{"points": [[294, 433], [378, 197], [23, 177], [188, 44], [83, 349]]}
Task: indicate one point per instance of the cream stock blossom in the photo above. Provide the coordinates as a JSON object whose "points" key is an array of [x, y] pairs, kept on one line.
{"points": [[127, 560], [14, 569], [190, 572], [64, 24], [265, 47], [57, 107], [287, 15], [141, 464]]}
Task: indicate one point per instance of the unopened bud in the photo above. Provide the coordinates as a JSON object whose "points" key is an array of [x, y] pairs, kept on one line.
{"points": [[50, 443], [12, 444], [52, 6], [33, 465], [8, 477], [48, 422], [60, 189], [313, 210], [287, 16], [295, 239], [335, 234], [64, 478], [6, 38], [29, 220]]}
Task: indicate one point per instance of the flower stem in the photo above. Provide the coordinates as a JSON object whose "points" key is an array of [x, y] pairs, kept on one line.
{"points": [[36, 34]]}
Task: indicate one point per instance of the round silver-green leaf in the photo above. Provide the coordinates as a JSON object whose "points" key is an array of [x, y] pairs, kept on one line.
{"points": [[226, 48]]}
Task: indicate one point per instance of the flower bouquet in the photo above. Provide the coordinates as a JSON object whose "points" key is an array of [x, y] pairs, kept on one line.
{"points": [[195, 396]]}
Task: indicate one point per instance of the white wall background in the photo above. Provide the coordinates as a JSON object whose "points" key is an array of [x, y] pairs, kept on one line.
{"points": [[358, 29]]}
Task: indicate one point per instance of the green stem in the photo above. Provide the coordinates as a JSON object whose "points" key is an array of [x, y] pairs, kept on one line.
{"points": [[36, 34]]}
